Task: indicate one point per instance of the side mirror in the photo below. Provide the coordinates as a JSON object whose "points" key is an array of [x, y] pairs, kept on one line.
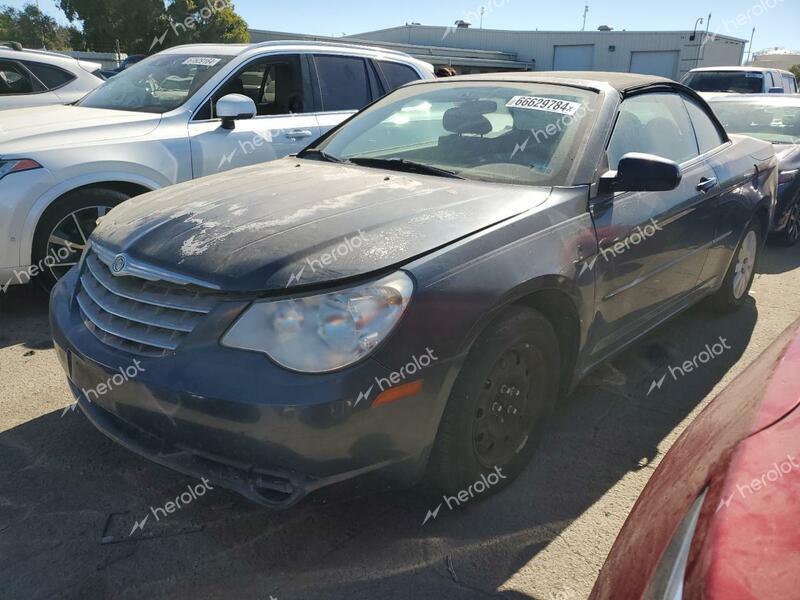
{"points": [[232, 107], [641, 173], [777, 90]]}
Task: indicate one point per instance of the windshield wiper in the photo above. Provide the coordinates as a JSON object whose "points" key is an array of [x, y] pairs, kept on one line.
{"points": [[401, 164], [322, 154]]}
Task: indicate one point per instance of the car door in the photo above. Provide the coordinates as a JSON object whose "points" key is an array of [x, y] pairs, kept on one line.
{"points": [[652, 244], [20, 88], [285, 123], [344, 84]]}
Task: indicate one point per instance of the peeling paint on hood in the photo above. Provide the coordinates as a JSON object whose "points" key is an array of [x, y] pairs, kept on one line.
{"points": [[256, 228]]}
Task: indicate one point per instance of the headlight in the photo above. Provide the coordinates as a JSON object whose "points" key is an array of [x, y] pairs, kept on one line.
{"points": [[17, 165], [315, 334]]}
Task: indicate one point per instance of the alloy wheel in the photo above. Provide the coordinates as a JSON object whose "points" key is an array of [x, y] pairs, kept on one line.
{"points": [[745, 264], [69, 238], [793, 224]]}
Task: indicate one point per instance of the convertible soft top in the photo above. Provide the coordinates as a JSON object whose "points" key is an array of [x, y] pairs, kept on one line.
{"points": [[595, 80]]}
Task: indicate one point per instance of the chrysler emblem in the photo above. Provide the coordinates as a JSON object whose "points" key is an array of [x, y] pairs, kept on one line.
{"points": [[119, 263]]}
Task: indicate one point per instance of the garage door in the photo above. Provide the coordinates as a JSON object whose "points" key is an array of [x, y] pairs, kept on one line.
{"points": [[573, 58], [664, 64]]}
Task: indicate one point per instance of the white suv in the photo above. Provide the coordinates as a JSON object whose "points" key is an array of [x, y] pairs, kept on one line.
{"points": [[181, 114], [740, 80], [36, 78]]}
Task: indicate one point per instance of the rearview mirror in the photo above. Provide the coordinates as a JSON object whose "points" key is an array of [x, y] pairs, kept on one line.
{"points": [[233, 107], [641, 173], [777, 90]]}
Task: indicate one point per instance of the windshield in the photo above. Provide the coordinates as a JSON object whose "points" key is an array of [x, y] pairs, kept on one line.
{"points": [[738, 82], [776, 122], [157, 84], [503, 132]]}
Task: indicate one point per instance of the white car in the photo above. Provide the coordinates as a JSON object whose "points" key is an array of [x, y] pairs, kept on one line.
{"points": [[181, 114], [37, 78]]}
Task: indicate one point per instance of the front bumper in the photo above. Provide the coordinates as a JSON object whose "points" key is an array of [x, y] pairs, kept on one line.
{"points": [[241, 421]]}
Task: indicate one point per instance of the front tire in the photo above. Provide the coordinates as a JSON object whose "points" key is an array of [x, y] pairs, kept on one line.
{"points": [[64, 229], [741, 272], [499, 404]]}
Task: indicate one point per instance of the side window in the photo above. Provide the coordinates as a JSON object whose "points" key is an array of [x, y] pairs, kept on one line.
{"points": [[274, 83], [653, 124], [397, 74], [789, 84], [14, 80], [343, 82], [770, 81], [51, 77], [708, 136]]}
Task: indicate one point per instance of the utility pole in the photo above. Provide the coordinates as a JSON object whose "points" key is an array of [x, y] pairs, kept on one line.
{"points": [[483, 10], [585, 13], [750, 51]]}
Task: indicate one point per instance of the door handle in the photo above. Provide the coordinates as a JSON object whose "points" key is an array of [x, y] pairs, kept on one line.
{"points": [[706, 184], [299, 133]]}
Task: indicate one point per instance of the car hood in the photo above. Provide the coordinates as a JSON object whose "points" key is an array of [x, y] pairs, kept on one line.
{"points": [[788, 155], [300, 222], [26, 130]]}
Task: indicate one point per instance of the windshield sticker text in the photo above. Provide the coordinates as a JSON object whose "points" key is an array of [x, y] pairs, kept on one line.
{"points": [[553, 105]]}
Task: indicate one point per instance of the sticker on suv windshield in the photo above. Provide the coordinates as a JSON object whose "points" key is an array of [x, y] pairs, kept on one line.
{"points": [[562, 107], [202, 61]]}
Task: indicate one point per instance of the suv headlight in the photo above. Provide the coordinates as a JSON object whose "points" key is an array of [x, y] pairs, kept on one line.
{"points": [[17, 165], [325, 332]]}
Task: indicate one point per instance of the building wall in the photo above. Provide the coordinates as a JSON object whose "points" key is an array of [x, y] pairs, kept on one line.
{"points": [[612, 49], [777, 61]]}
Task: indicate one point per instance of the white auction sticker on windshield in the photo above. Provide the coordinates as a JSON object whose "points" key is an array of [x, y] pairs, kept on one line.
{"points": [[553, 105], [203, 61]]}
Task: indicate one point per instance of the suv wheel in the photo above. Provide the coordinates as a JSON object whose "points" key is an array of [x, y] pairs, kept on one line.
{"points": [[499, 404], [64, 230], [791, 233]]}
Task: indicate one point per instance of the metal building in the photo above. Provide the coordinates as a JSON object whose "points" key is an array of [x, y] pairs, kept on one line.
{"points": [[667, 53], [469, 50]]}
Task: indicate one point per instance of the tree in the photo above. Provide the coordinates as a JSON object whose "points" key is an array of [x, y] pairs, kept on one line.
{"points": [[149, 25], [33, 29], [796, 70]]}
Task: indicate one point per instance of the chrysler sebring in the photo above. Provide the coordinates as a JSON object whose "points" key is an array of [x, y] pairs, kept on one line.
{"points": [[407, 298]]}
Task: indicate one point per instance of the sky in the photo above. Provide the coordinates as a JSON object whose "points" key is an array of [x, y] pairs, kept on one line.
{"points": [[777, 22]]}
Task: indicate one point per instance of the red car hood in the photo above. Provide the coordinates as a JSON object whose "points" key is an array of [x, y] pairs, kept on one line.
{"points": [[728, 444]]}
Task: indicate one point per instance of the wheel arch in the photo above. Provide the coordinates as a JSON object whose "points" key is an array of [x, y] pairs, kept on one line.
{"points": [[125, 183], [556, 298]]}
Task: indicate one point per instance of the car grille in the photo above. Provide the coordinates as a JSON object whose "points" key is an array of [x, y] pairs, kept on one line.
{"points": [[137, 315]]}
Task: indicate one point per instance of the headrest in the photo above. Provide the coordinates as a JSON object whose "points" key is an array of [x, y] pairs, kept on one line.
{"points": [[465, 119]]}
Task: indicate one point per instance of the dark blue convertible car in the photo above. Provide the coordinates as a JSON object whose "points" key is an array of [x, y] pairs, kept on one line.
{"points": [[410, 297]]}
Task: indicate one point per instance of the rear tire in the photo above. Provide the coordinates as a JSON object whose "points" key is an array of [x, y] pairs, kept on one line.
{"points": [[741, 272], [499, 405], [64, 228]]}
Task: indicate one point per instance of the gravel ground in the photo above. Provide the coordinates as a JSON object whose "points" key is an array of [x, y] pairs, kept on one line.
{"points": [[69, 496]]}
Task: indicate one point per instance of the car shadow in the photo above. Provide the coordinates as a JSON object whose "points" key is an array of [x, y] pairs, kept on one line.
{"points": [[23, 318], [71, 499], [779, 259]]}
